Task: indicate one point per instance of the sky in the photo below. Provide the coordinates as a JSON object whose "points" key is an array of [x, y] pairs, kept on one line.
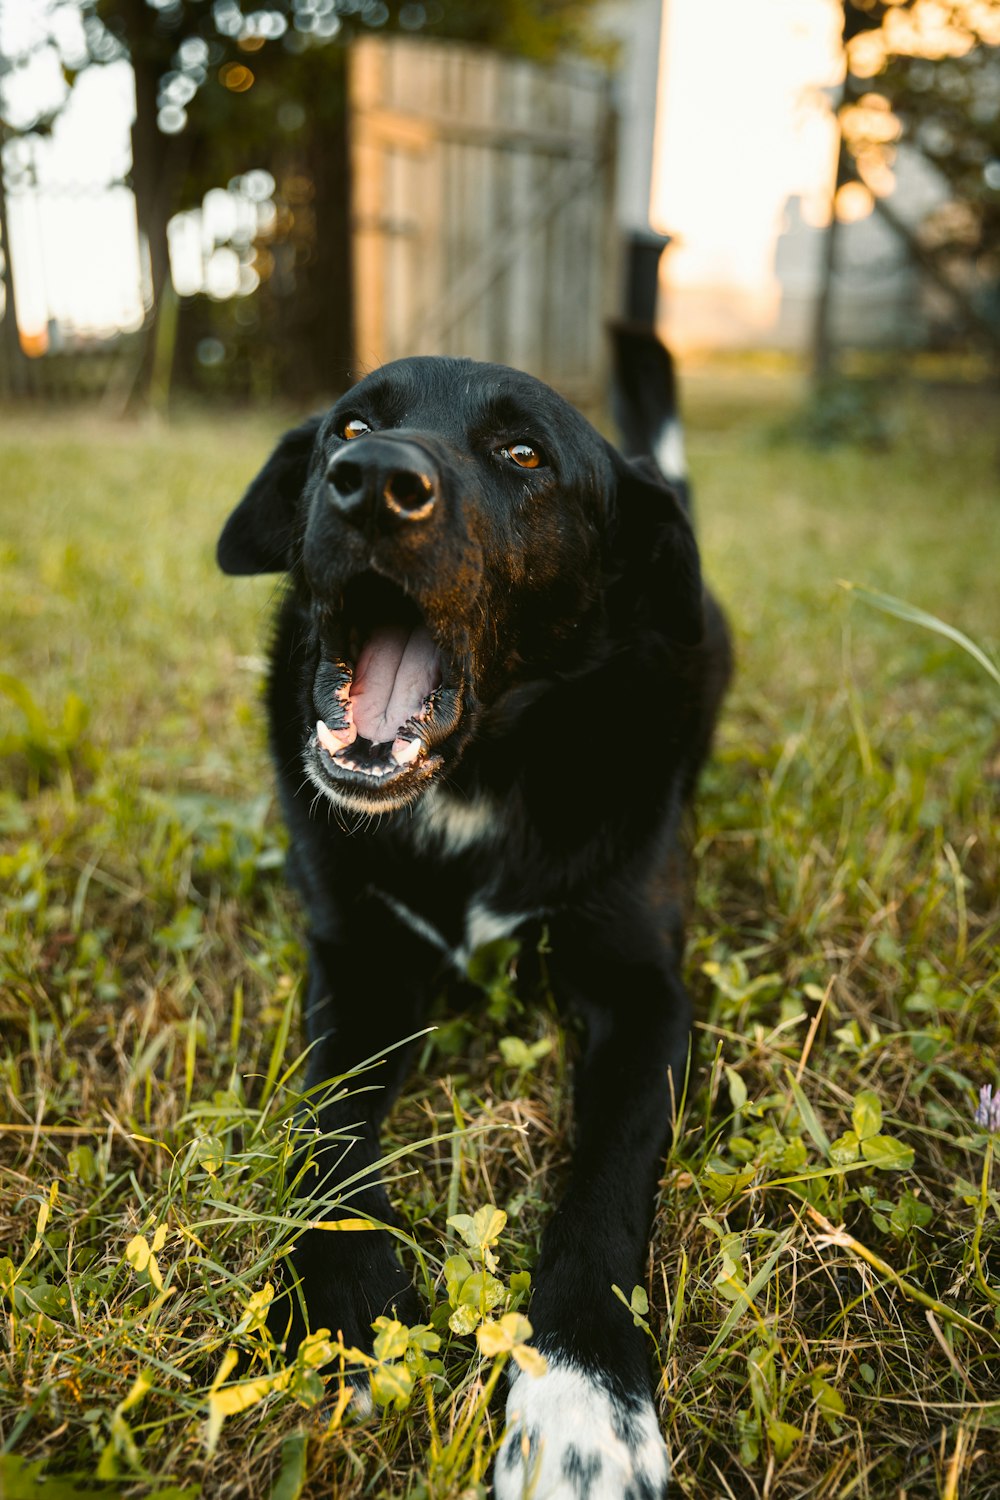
{"points": [[741, 127]]}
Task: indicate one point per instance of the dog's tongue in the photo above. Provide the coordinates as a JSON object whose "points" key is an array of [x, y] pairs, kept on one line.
{"points": [[395, 671]]}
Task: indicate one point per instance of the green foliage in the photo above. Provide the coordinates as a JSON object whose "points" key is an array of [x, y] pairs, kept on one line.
{"points": [[842, 410], [933, 88], [47, 744]]}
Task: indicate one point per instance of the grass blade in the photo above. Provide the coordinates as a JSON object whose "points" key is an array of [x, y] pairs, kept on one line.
{"points": [[913, 615]]}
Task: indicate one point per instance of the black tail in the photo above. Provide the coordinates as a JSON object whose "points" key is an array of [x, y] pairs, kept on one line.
{"points": [[644, 398]]}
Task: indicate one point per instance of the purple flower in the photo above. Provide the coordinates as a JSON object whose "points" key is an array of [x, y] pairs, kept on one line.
{"points": [[988, 1110]]}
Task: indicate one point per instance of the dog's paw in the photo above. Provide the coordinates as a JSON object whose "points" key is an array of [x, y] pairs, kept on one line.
{"points": [[359, 1408], [572, 1436], [344, 1288]]}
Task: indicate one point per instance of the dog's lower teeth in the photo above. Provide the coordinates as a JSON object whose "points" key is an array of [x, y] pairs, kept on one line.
{"points": [[334, 742], [337, 742], [405, 752]]}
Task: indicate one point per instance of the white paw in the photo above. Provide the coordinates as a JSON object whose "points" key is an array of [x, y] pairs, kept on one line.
{"points": [[361, 1405], [571, 1436]]}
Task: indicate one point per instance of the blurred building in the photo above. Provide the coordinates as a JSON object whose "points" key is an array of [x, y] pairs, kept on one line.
{"points": [[879, 296]]}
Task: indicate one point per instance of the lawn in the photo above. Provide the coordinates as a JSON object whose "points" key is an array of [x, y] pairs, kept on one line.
{"points": [[823, 1290]]}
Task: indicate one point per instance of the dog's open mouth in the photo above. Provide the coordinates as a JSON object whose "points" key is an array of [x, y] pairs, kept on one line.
{"points": [[384, 695]]}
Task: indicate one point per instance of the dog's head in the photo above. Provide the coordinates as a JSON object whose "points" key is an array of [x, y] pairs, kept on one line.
{"points": [[455, 532]]}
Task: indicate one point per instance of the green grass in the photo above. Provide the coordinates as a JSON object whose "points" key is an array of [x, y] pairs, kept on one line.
{"points": [[823, 1289]]}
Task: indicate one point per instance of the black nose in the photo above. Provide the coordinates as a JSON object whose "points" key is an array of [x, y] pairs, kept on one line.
{"points": [[378, 478]]}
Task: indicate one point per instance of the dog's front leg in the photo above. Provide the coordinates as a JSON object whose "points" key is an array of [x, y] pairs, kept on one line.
{"points": [[367, 993], [587, 1429]]}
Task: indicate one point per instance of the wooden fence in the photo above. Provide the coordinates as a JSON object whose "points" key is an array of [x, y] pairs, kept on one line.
{"points": [[482, 223], [482, 198]]}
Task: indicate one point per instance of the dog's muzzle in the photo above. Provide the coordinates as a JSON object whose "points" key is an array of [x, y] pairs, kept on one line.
{"points": [[385, 696]]}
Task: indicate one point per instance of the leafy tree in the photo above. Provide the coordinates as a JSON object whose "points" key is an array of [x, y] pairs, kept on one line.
{"points": [[927, 73], [223, 86]]}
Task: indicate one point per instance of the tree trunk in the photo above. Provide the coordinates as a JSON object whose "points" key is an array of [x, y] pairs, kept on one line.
{"points": [[14, 374], [156, 160], [315, 333], [823, 357], [854, 20], [327, 300], [824, 354]]}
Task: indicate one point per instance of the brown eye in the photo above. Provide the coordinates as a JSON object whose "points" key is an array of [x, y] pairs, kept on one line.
{"points": [[523, 455], [354, 428]]}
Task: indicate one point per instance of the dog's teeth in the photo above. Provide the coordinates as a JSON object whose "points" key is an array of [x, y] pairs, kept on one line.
{"points": [[405, 752], [332, 740]]}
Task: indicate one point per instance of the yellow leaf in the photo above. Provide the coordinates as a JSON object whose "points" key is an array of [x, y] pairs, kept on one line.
{"points": [[142, 1383], [391, 1383], [316, 1349], [256, 1308], [529, 1360], [159, 1238], [190, 1235], [390, 1339], [148, 1140], [492, 1339], [233, 1399], [517, 1326], [237, 1398], [335, 1413], [226, 1364], [354, 1225], [137, 1252], [488, 1224], [153, 1268], [463, 1319]]}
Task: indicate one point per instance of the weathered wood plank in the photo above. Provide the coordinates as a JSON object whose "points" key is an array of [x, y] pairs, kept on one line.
{"points": [[482, 188]]}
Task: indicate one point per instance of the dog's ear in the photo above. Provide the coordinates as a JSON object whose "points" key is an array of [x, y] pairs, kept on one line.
{"points": [[257, 537], [656, 572]]}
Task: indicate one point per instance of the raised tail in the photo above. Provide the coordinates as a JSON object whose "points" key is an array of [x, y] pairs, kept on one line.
{"points": [[644, 399]]}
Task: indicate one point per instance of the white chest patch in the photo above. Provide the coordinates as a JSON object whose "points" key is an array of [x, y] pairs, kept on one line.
{"points": [[569, 1437], [455, 824], [451, 825], [483, 925]]}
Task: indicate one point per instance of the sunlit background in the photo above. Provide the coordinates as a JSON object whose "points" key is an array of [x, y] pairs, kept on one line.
{"points": [[728, 143], [729, 156]]}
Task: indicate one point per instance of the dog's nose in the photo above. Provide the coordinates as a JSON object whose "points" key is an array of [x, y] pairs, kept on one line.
{"points": [[382, 478]]}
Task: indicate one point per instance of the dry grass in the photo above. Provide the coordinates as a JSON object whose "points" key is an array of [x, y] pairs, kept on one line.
{"points": [[823, 1305]]}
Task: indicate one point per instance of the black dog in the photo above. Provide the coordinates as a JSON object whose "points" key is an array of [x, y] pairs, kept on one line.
{"points": [[496, 662]]}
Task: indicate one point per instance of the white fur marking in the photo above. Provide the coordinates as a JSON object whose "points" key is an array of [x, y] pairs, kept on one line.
{"points": [[668, 450], [454, 823], [483, 925], [415, 922], [361, 1404], [570, 1438]]}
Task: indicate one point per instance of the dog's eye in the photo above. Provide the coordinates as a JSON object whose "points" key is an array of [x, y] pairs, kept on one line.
{"points": [[523, 455], [354, 427]]}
